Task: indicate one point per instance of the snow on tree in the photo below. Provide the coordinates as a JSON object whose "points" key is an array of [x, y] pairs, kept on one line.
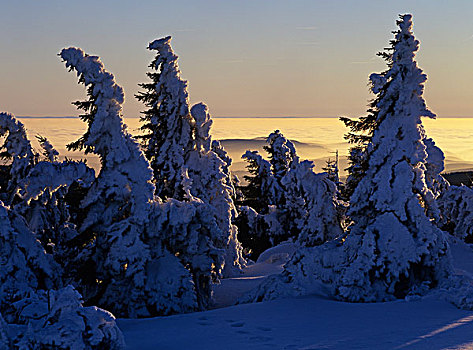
{"points": [[211, 182], [311, 205], [4, 339], [456, 208], [177, 141], [258, 203], [186, 229], [392, 248], [49, 152], [285, 199], [331, 168], [44, 204], [168, 124], [356, 170], [57, 320], [124, 261], [282, 154], [262, 189], [203, 123], [25, 265], [434, 167], [17, 149], [363, 128]]}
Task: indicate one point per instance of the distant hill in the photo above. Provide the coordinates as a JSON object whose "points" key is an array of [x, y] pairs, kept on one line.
{"points": [[459, 178]]}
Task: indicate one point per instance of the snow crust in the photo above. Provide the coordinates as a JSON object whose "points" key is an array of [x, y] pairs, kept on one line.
{"points": [[311, 322]]}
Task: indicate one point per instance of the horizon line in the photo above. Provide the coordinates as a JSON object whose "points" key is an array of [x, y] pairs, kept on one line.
{"points": [[233, 117]]}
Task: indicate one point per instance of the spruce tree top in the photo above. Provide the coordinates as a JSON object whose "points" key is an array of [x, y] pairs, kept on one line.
{"points": [[398, 138], [167, 123], [17, 148], [125, 175], [397, 246]]}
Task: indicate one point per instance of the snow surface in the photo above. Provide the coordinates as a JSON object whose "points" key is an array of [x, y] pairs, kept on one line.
{"points": [[312, 322]]}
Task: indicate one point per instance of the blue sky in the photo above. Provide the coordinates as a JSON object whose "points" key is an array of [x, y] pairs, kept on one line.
{"points": [[242, 58]]}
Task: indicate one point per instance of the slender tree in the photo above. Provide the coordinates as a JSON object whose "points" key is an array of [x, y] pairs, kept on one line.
{"points": [[167, 123], [178, 145]]}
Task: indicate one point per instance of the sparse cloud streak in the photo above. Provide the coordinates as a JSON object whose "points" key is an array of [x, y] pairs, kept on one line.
{"points": [[307, 28]]}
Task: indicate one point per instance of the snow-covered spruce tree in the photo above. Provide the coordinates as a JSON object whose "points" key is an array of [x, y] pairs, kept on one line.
{"points": [[434, 167], [177, 141], [49, 152], [262, 189], [212, 183], [282, 154], [292, 202], [393, 248], [26, 268], [167, 123], [4, 338], [123, 264], [311, 205], [231, 180], [259, 199], [362, 129], [57, 320], [17, 149], [456, 209], [188, 228], [43, 202]]}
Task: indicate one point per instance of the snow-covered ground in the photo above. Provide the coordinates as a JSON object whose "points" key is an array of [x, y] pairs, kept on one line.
{"points": [[313, 322]]}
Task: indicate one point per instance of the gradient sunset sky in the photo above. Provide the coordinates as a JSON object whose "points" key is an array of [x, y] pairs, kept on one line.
{"points": [[242, 58]]}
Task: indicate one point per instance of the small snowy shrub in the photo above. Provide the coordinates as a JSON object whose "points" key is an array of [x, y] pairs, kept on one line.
{"points": [[456, 209], [57, 320]]}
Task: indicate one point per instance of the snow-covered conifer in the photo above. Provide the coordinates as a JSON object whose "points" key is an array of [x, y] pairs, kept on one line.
{"points": [[285, 199], [43, 202], [123, 255], [262, 189], [4, 338], [434, 167], [25, 265], [57, 320], [231, 180], [187, 229], [211, 182], [177, 141], [49, 152], [167, 123], [311, 205], [281, 152], [456, 209], [17, 149], [392, 248]]}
